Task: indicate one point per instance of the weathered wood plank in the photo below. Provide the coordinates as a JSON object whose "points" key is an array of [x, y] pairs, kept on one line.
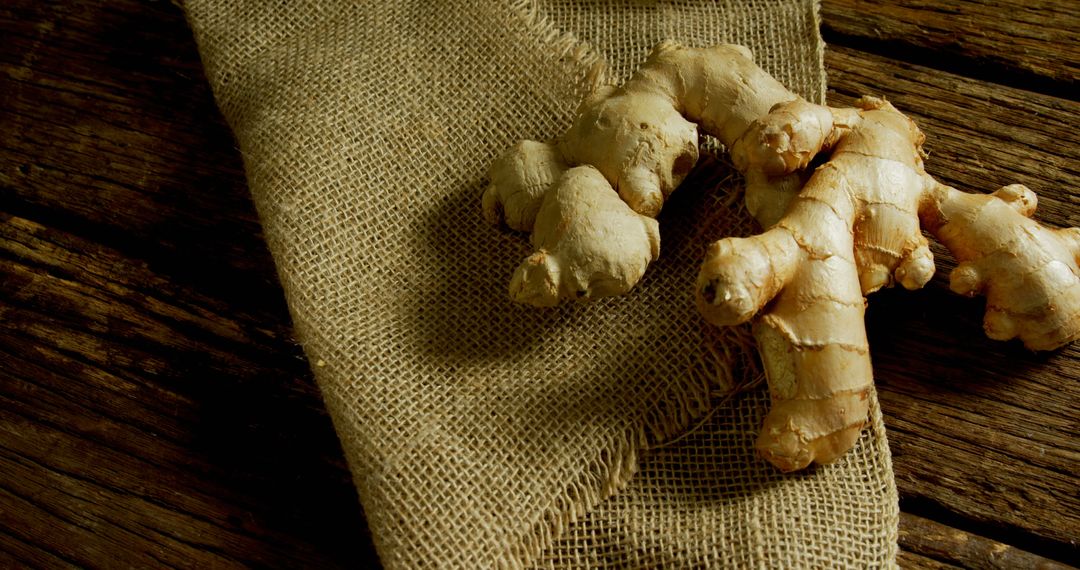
{"points": [[946, 545], [110, 138], [911, 561], [124, 414], [1033, 38], [155, 410], [980, 429]]}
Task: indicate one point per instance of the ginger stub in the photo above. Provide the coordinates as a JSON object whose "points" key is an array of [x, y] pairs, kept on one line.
{"points": [[848, 228]]}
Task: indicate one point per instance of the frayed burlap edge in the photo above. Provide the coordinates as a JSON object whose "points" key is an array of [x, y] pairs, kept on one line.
{"points": [[616, 464]]}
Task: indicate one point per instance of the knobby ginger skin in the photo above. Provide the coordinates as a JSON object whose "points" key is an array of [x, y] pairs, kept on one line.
{"points": [[594, 221], [642, 138], [854, 227]]}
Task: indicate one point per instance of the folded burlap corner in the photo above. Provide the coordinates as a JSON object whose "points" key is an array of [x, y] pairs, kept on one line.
{"points": [[481, 433]]}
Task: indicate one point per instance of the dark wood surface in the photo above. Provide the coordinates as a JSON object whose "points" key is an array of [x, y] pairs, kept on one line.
{"points": [[155, 410]]}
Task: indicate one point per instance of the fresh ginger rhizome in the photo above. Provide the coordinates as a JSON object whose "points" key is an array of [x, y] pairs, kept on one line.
{"points": [[848, 228]]}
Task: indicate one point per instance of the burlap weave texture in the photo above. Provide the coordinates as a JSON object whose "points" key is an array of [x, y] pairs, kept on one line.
{"points": [[481, 433]]}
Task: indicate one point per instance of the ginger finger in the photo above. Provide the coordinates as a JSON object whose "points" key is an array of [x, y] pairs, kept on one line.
{"points": [[589, 243], [1028, 272], [812, 338]]}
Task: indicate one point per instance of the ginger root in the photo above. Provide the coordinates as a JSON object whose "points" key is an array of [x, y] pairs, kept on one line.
{"points": [[643, 138], [854, 228], [848, 228]]}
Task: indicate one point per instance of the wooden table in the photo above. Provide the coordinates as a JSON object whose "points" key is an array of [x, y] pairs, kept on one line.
{"points": [[157, 412]]}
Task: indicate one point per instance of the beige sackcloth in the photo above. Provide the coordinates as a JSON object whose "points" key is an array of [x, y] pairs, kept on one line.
{"points": [[481, 433]]}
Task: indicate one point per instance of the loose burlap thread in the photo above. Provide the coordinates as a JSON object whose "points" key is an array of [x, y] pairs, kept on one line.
{"points": [[481, 433]]}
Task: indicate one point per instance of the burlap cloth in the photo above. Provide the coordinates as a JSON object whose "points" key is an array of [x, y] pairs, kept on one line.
{"points": [[481, 433]]}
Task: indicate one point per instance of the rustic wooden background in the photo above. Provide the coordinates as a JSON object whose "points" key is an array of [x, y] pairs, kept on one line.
{"points": [[157, 412]]}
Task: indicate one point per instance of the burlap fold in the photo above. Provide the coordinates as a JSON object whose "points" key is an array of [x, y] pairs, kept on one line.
{"points": [[481, 433]]}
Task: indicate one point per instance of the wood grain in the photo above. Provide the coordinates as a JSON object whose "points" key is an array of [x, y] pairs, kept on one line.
{"points": [[941, 544], [1030, 41], [909, 560], [983, 432], [155, 410]]}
